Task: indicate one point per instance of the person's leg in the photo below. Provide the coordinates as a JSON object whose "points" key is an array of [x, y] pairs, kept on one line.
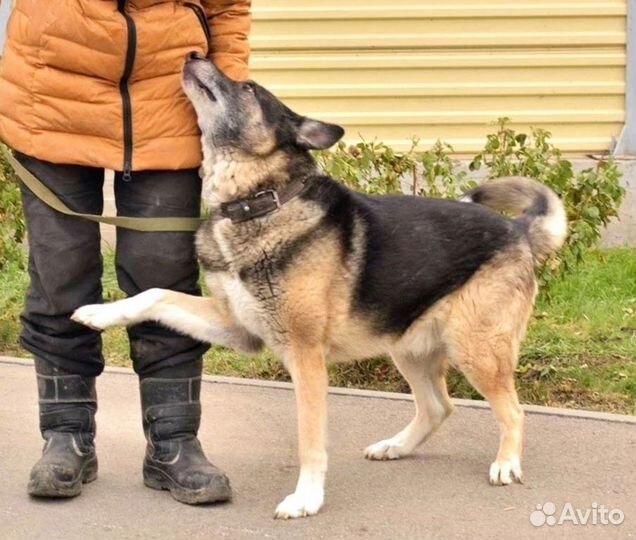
{"points": [[65, 269], [168, 363], [158, 259]]}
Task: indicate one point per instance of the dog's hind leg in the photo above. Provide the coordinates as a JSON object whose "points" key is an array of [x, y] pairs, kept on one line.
{"points": [[427, 378], [204, 318], [509, 415], [485, 351], [483, 336], [308, 370], [498, 387]]}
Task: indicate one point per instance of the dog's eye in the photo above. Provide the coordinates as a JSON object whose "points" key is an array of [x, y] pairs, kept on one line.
{"points": [[248, 87], [207, 91]]}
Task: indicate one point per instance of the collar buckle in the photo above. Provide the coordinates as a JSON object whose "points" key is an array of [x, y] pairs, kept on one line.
{"points": [[262, 203], [272, 193]]}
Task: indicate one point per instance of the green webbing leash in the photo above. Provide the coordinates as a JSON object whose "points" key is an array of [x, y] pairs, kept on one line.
{"points": [[156, 224]]}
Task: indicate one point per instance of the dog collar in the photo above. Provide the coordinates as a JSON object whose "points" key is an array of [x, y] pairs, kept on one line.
{"points": [[263, 203]]}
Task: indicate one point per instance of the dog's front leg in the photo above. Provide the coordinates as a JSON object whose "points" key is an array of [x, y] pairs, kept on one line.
{"points": [[204, 318], [309, 374]]}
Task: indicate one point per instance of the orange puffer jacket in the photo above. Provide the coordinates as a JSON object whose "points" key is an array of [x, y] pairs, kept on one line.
{"points": [[98, 82]]}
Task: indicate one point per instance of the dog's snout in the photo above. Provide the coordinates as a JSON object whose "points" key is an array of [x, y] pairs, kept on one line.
{"points": [[194, 55]]}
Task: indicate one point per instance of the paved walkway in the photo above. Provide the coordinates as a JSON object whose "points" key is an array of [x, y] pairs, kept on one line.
{"points": [[249, 430]]}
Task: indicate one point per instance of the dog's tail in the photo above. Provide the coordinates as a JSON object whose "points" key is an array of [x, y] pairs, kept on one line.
{"points": [[538, 207]]}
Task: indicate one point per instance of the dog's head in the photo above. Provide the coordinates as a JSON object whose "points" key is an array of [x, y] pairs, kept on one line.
{"points": [[245, 117]]}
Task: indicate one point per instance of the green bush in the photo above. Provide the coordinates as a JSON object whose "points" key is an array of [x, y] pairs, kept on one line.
{"points": [[12, 227], [591, 197], [371, 167]]}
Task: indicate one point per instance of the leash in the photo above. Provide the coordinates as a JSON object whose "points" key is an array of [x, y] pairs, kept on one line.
{"points": [[156, 224]]}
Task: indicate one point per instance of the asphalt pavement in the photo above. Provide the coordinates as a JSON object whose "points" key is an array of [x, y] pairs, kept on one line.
{"points": [[576, 468]]}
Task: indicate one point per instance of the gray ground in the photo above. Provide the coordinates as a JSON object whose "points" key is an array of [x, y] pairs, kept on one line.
{"points": [[441, 492]]}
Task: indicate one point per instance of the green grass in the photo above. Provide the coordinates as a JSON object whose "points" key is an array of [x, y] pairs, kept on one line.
{"points": [[580, 350], [581, 345], [13, 284]]}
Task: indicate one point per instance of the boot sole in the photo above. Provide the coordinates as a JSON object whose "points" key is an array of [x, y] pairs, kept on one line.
{"points": [[46, 485], [155, 478]]}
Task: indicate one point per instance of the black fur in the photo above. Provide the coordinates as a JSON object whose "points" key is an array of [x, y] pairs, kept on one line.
{"points": [[539, 207], [417, 250]]}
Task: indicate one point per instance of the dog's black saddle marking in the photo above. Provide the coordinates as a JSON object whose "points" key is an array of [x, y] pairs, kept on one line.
{"points": [[416, 250], [419, 250]]}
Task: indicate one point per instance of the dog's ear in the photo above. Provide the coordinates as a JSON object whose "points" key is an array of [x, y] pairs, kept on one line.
{"points": [[317, 135]]}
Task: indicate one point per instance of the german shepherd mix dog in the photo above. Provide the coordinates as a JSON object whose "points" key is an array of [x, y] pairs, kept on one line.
{"points": [[314, 270]]}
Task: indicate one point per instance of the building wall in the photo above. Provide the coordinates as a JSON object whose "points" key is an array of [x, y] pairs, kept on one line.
{"points": [[4, 17], [446, 70]]}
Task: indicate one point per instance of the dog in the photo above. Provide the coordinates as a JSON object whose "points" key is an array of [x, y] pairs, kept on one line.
{"points": [[313, 270]]}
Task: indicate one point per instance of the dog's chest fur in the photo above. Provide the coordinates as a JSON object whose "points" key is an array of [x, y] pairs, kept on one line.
{"points": [[248, 260]]}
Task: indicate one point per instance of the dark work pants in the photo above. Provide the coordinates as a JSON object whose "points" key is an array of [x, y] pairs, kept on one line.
{"points": [[65, 265]]}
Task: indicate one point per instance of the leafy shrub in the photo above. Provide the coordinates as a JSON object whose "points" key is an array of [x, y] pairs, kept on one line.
{"points": [[371, 167], [12, 227], [375, 168], [591, 197], [440, 177]]}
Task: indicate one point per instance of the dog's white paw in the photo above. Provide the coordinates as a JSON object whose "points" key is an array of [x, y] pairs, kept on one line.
{"points": [[300, 504], [504, 472], [383, 450], [100, 316]]}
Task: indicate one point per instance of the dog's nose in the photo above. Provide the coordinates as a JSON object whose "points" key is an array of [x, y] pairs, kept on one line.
{"points": [[194, 55]]}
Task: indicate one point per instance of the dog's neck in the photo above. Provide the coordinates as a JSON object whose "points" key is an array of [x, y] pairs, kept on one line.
{"points": [[229, 174]]}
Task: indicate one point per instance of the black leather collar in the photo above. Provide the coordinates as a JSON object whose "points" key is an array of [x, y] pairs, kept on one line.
{"points": [[263, 203]]}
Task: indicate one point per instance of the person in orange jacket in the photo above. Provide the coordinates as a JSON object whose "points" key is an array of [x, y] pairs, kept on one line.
{"points": [[92, 85]]}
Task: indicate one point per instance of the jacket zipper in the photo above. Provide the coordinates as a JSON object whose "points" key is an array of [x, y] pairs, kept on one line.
{"points": [[203, 20], [125, 90]]}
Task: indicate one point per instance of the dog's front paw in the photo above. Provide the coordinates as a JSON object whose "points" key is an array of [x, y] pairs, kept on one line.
{"points": [[504, 472], [299, 504], [384, 450], [100, 316]]}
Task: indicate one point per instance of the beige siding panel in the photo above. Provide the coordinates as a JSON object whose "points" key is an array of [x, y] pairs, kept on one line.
{"points": [[448, 69]]}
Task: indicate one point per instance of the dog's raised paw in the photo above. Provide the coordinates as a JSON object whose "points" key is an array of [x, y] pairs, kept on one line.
{"points": [[98, 316], [383, 450], [298, 505], [504, 472]]}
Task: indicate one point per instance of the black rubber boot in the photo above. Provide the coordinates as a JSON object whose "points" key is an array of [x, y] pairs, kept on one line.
{"points": [[174, 458], [67, 421]]}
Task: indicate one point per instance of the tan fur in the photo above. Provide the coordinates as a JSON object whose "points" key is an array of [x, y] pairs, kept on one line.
{"points": [[487, 323], [305, 316]]}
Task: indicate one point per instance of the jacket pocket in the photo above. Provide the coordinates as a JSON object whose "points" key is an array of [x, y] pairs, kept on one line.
{"points": [[203, 21]]}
